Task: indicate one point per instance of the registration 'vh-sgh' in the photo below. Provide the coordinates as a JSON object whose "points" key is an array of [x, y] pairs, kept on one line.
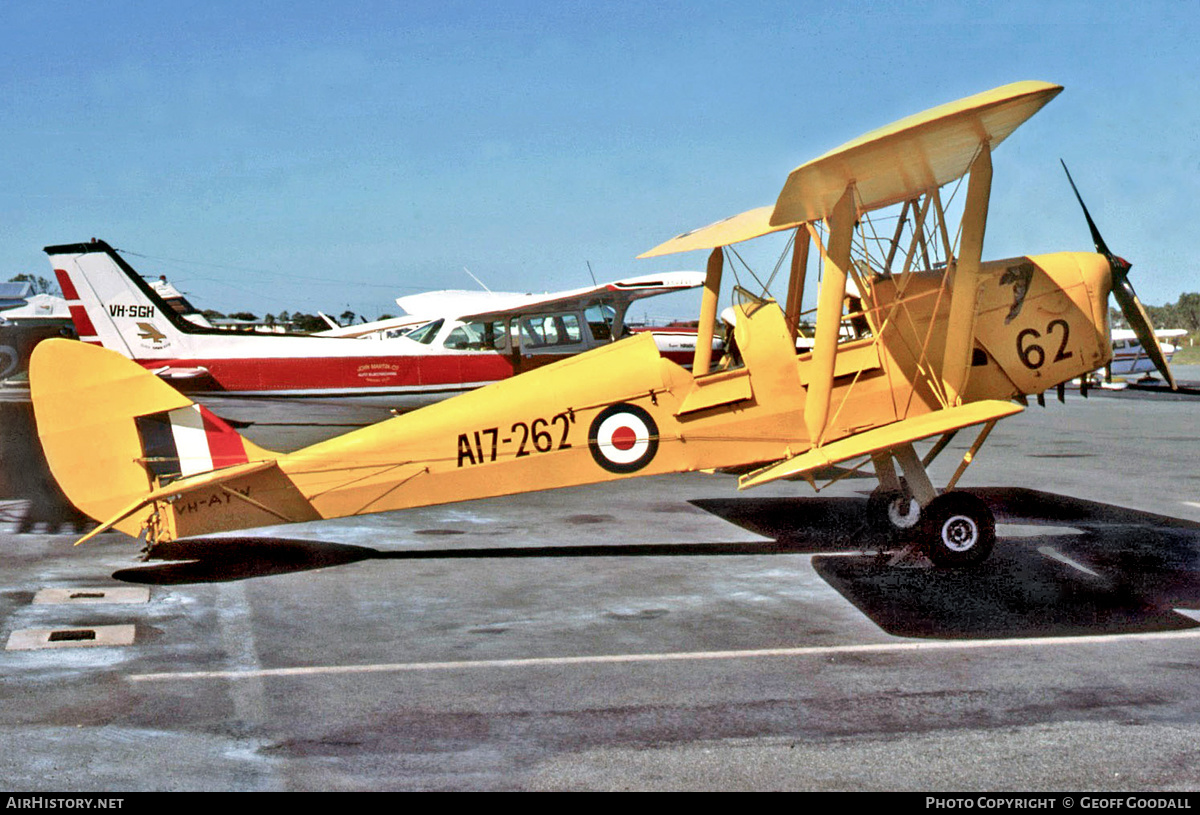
{"points": [[916, 337]]}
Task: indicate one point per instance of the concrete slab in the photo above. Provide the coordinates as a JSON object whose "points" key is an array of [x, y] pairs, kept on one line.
{"points": [[91, 595], [95, 636]]}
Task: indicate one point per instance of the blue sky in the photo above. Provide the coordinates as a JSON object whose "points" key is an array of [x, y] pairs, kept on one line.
{"points": [[303, 156]]}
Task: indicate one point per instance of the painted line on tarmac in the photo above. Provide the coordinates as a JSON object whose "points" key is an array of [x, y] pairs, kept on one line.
{"points": [[534, 662]]}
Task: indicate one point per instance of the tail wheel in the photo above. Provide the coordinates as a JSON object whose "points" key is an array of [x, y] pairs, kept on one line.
{"points": [[958, 530]]}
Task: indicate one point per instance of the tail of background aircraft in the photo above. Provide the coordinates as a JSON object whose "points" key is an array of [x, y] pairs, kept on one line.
{"points": [[117, 438], [112, 306]]}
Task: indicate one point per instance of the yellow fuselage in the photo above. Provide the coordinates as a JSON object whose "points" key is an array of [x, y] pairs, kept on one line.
{"points": [[1040, 321]]}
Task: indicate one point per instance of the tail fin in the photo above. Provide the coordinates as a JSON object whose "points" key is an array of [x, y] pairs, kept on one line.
{"points": [[115, 435], [112, 306]]}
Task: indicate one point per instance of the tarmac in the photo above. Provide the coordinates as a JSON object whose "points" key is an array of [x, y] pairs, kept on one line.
{"points": [[665, 633]]}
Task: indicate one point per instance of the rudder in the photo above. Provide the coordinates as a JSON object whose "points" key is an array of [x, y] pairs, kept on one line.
{"points": [[111, 305]]}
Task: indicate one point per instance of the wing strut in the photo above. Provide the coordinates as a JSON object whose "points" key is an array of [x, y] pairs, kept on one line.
{"points": [[796, 281], [829, 315], [708, 313], [960, 333]]}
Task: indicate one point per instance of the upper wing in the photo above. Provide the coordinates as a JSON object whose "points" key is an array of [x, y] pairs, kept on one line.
{"points": [[907, 157], [886, 166], [735, 229]]}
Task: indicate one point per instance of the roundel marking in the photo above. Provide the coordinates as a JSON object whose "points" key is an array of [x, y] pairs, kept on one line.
{"points": [[623, 438]]}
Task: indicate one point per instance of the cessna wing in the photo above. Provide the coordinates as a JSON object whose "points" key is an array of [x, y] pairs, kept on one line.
{"points": [[482, 306], [619, 293], [377, 329]]}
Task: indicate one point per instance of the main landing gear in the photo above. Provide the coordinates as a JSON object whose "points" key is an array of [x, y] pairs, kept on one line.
{"points": [[953, 529], [958, 530]]}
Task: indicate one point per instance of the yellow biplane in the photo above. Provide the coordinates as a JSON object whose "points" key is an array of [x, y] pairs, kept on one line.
{"points": [[915, 338]]}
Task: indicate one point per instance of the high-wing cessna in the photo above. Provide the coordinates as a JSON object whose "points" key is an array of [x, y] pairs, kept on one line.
{"points": [[113, 306], [1131, 359], [544, 326], [934, 340]]}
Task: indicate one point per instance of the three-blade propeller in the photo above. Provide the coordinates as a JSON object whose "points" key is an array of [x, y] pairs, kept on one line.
{"points": [[1127, 299]]}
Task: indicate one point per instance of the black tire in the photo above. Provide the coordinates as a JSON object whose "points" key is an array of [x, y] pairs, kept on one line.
{"points": [[894, 511], [958, 530]]}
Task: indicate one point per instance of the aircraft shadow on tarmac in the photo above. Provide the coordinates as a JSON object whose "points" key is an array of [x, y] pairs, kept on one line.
{"points": [[1115, 570], [207, 560]]}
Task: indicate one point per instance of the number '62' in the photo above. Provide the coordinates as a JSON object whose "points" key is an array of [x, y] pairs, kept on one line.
{"points": [[1032, 355]]}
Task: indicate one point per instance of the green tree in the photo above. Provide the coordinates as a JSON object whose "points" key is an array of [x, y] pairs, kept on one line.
{"points": [[40, 284], [1188, 311], [308, 323], [1162, 316]]}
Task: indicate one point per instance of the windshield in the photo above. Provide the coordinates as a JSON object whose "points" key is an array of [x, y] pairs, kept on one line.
{"points": [[425, 333]]}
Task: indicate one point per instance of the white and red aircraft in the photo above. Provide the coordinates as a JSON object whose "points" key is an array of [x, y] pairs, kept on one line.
{"points": [[1131, 359], [488, 337]]}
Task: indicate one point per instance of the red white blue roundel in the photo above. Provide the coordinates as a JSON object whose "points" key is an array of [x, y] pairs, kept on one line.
{"points": [[623, 438]]}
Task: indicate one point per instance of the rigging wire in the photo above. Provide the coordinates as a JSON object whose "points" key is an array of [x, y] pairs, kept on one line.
{"points": [[288, 275]]}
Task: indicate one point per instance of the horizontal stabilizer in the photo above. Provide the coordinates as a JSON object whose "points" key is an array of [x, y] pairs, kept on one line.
{"points": [[904, 431], [182, 486]]}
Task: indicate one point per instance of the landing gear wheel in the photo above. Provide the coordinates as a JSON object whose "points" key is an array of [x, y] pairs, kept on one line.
{"points": [[894, 511], [958, 530]]}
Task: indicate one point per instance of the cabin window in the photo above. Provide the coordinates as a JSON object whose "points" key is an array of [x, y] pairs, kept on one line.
{"points": [[600, 321], [489, 336], [460, 340], [426, 333], [572, 330], [551, 331]]}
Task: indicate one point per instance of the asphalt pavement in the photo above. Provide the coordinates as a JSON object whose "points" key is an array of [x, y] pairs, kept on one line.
{"points": [[666, 633]]}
